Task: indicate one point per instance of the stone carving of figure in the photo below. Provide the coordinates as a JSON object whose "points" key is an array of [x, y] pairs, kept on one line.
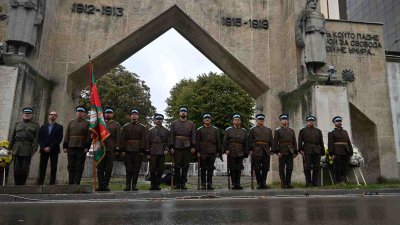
{"points": [[311, 37], [24, 19]]}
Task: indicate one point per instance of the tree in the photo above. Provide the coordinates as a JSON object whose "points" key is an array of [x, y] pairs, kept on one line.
{"points": [[213, 93], [123, 90]]}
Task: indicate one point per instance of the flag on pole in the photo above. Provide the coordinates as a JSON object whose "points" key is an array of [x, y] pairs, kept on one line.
{"points": [[97, 125]]}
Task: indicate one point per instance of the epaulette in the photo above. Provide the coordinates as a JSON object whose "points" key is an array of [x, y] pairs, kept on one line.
{"points": [[228, 128], [200, 127]]}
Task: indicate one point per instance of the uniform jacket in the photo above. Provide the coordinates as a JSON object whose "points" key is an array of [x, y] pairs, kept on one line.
{"points": [[260, 140], [183, 134], [24, 138], [114, 140], [311, 141], [134, 137], [77, 134], [285, 141], [235, 140], [157, 140], [208, 140], [339, 142]]}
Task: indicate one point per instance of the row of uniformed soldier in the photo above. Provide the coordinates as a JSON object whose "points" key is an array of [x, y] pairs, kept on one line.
{"points": [[135, 140]]}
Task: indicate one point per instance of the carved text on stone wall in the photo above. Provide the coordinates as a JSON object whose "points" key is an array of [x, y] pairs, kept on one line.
{"points": [[352, 43]]}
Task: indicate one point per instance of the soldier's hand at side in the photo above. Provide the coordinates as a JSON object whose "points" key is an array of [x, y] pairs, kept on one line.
{"points": [[65, 150], [192, 150]]}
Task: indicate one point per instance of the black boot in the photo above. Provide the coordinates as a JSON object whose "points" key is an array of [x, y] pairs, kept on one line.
{"points": [[135, 177], [259, 179], [238, 176], [152, 181], [289, 179], [177, 178], [283, 180], [307, 173], [264, 179], [158, 180], [100, 176], [209, 179], [128, 181], [107, 178], [315, 176]]}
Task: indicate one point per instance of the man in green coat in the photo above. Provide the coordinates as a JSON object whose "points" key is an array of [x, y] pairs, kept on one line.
{"points": [[23, 144]]}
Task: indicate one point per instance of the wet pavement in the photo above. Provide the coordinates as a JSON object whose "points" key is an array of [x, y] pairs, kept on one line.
{"points": [[379, 209]]}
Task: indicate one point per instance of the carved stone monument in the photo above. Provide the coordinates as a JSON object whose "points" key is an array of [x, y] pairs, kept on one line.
{"points": [[311, 37], [24, 18]]}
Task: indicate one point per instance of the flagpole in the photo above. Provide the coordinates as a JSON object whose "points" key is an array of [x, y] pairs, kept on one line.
{"points": [[94, 160]]}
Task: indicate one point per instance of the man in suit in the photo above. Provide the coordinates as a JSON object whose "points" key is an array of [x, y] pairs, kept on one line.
{"points": [[50, 137]]}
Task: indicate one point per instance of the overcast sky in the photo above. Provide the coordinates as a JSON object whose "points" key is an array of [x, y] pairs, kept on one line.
{"points": [[164, 62]]}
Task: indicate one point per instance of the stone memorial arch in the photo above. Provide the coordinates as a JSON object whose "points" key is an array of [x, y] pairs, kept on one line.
{"points": [[253, 42]]}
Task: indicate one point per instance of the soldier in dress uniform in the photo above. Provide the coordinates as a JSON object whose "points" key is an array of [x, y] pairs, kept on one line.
{"points": [[76, 144], [286, 148], [340, 148], [157, 148], [235, 147], [23, 144], [208, 146], [134, 137], [112, 144], [261, 147], [311, 147], [183, 143]]}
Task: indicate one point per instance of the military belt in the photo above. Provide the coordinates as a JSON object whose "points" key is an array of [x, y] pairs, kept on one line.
{"points": [[340, 143], [182, 137]]}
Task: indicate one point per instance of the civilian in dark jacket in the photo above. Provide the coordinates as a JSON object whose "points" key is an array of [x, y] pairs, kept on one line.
{"points": [[50, 137]]}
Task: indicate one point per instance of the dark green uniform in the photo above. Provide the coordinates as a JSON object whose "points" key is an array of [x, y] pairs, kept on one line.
{"points": [[157, 143], [104, 168], [183, 138], [339, 145], [208, 145], [235, 141], [260, 144], [23, 144], [311, 142], [285, 143], [134, 142], [76, 140]]}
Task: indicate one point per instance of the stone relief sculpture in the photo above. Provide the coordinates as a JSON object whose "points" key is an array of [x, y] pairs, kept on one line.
{"points": [[311, 37], [24, 18]]}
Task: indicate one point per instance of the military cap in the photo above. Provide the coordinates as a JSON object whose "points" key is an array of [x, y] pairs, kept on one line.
{"points": [[158, 116], [80, 108], [260, 116], [183, 109], [311, 118], [135, 110], [337, 119], [206, 115], [27, 110], [108, 109], [284, 116], [236, 116]]}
